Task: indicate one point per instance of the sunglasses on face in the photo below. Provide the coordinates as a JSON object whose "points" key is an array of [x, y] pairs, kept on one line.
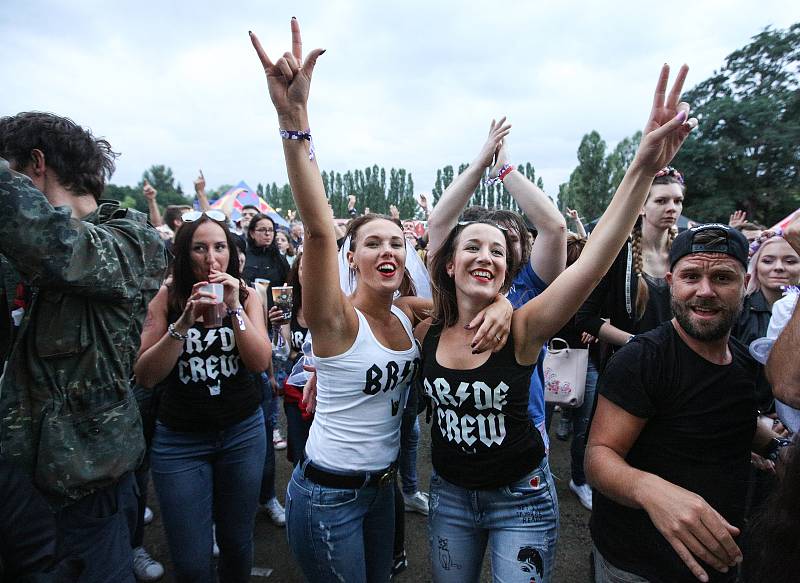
{"points": [[670, 171], [214, 215]]}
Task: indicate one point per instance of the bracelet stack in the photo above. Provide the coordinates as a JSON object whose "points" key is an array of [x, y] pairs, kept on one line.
{"points": [[504, 171], [299, 135], [237, 313]]}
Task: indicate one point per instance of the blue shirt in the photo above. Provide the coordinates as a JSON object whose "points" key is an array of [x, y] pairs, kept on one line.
{"points": [[527, 285]]}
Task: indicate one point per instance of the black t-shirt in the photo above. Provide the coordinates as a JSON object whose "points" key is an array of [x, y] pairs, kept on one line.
{"points": [[701, 418], [481, 434], [209, 389]]}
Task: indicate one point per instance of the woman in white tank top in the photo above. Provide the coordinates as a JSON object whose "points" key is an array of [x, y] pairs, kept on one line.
{"points": [[340, 500]]}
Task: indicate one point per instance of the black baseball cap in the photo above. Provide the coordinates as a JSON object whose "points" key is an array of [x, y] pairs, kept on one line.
{"points": [[734, 244]]}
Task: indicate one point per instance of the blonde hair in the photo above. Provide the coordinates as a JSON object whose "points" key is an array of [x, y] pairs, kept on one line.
{"points": [[754, 284], [642, 291]]}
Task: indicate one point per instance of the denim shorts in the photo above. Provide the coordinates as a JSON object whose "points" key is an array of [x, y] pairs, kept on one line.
{"points": [[519, 521], [337, 534]]}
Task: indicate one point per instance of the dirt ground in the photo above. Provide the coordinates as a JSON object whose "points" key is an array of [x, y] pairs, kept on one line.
{"points": [[273, 561]]}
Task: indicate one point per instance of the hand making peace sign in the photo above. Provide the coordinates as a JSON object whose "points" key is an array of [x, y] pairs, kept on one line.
{"points": [[288, 78]]}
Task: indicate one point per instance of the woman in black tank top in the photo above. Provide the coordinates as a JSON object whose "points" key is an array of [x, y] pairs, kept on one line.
{"points": [[490, 481], [209, 443]]}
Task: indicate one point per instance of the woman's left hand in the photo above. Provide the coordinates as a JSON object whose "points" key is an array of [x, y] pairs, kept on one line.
{"points": [[493, 326], [668, 126], [231, 287]]}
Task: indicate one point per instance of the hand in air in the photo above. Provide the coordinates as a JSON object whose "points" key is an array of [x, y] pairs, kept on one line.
{"points": [[572, 213], [497, 131], [148, 191], [501, 158], [423, 202], [668, 126], [200, 183], [351, 202], [394, 212], [288, 78]]}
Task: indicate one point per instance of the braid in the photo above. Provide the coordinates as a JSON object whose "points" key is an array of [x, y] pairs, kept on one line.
{"points": [[642, 291]]}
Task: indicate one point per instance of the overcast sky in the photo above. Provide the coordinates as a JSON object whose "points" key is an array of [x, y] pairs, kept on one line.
{"points": [[408, 84]]}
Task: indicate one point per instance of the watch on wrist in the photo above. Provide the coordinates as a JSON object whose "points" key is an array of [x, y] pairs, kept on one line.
{"points": [[776, 444]]}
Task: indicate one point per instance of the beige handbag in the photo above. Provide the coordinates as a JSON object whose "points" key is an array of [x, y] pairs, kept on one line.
{"points": [[565, 373]]}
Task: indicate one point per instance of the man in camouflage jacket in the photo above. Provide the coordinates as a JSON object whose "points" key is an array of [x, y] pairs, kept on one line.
{"points": [[90, 268]]}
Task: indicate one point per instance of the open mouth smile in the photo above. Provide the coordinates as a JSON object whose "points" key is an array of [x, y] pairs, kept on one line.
{"points": [[387, 269], [482, 275]]}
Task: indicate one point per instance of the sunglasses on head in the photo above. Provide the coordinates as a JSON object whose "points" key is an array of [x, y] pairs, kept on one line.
{"points": [[480, 222], [214, 215], [670, 171]]}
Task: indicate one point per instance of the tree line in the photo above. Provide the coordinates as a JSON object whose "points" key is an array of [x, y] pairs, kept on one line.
{"points": [[745, 153]]}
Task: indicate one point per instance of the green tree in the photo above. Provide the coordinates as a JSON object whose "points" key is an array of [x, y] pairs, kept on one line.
{"points": [[588, 188], [745, 152]]}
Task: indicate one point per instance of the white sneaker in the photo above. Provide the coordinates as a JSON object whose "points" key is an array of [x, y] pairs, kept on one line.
{"points": [[145, 567], [148, 515], [278, 442], [583, 492], [215, 548], [276, 512], [417, 502]]}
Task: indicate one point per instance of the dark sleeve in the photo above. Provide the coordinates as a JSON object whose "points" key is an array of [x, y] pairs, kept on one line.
{"points": [[588, 317], [628, 379], [50, 247], [285, 269]]}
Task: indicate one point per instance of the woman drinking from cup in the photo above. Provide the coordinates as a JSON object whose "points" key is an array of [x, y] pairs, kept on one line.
{"points": [[209, 442]]}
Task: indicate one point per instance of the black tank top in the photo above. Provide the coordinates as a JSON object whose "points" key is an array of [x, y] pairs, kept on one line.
{"points": [[297, 334], [209, 389], [482, 436]]}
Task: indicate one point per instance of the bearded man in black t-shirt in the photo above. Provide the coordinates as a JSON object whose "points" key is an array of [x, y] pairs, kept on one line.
{"points": [[669, 449]]}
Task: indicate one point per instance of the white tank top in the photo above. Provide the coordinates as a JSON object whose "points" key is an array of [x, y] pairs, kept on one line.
{"points": [[361, 395]]}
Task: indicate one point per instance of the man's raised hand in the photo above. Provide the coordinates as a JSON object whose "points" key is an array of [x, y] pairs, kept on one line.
{"points": [[148, 191], [289, 78], [668, 125]]}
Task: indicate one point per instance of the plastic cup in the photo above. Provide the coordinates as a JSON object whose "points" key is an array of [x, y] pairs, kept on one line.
{"points": [[282, 297], [214, 313]]}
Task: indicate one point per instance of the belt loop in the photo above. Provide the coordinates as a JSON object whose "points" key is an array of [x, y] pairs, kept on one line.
{"points": [[304, 465]]}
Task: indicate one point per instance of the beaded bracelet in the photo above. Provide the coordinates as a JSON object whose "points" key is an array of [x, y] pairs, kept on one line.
{"points": [[173, 333], [504, 171], [237, 313], [299, 135]]}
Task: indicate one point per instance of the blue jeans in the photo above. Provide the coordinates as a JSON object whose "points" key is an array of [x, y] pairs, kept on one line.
{"points": [[519, 521], [267, 491], [580, 425], [98, 529], [409, 442], [202, 478], [338, 534]]}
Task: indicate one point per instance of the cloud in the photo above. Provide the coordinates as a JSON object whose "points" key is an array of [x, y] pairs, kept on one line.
{"points": [[410, 85]]}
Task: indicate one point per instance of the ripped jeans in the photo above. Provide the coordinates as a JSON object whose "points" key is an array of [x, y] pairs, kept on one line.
{"points": [[340, 535], [519, 521]]}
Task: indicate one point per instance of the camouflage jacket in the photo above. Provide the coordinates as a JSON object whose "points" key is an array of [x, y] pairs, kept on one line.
{"points": [[67, 413]]}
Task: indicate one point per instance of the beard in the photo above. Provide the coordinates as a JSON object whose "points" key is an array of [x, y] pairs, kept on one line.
{"points": [[706, 331]]}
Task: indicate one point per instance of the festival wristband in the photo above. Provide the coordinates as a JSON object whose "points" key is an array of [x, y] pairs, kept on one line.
{"points": [[237, 313], [299, 135], [504, 171]]}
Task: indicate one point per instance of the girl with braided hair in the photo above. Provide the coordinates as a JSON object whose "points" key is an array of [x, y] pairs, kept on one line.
{"points": [[633, 297]]}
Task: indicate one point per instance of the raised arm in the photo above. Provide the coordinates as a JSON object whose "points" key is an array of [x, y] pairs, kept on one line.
{"points": [[112, 261], [324, 306], [200, 191], [549, 253], [150, 194], [664, 133], [444, 217], [579, 228]]}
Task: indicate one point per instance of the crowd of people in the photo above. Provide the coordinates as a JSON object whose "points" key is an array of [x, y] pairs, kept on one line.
{"points": [[160, 346]]}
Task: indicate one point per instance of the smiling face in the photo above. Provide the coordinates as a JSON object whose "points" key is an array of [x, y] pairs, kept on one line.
{"points": [[478, 265], [379, 255], [663, 206], [777, 265], [707, 290], [209, 250], [263, 232]]}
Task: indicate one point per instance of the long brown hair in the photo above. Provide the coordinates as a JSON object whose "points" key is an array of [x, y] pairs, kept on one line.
{"points": [[445, 306], [642, 291]]}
